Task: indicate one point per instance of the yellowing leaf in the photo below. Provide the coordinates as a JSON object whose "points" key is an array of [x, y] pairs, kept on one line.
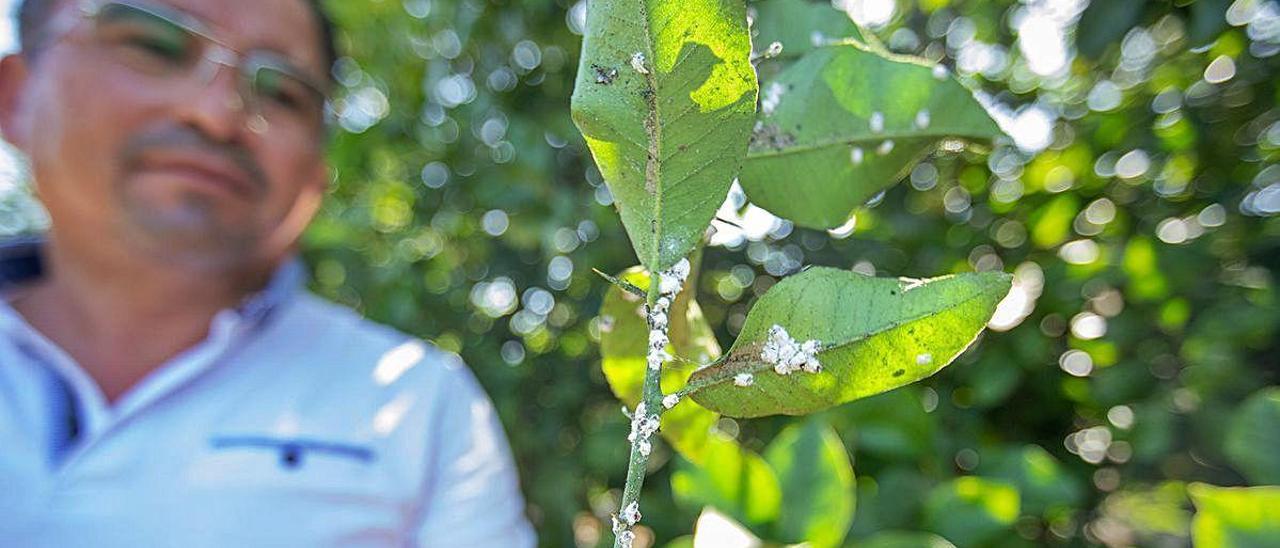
{"points": [[664, 97], [876, 333], [1235, 517]]}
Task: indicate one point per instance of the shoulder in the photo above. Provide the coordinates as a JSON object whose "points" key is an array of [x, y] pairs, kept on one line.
{"points": [[342, 345], [308, 312]]}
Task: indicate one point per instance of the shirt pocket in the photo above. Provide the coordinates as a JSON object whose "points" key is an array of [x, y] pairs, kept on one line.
{"points": [[306, 466], [272, 490]]}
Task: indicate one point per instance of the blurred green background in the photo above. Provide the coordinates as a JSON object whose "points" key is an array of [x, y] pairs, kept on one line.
{"points": [[1136, 204]]}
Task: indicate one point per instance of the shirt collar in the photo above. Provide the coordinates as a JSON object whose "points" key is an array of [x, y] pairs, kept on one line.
{"points": [[284, 284]]}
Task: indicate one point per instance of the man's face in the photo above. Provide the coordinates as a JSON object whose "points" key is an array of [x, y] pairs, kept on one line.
{"points": [[176, 165]]}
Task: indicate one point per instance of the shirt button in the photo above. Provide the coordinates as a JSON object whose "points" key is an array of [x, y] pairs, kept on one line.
{"points": [[291, 456]]}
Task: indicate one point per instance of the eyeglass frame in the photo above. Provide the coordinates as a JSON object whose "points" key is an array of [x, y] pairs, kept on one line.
{"points": [[215, 54]]}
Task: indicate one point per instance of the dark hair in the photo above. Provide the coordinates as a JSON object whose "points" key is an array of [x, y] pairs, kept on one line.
{"points": [[33, 14]]}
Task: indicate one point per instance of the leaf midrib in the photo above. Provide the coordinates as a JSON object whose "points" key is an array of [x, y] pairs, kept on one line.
{"points": [[859, 141], [651, 130]]}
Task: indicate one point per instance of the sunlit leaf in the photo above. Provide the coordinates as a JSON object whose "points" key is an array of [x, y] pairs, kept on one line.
{"points": [[844, 123], [1235, 517], [1151, 511], [877, 334], [623, 343], [734, 480], [817, 483], [1141, 263], [664, 95], [1253, 438], [1051, 223], [970, 510]]}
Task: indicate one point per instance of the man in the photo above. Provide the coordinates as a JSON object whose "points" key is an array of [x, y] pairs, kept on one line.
{"points": [[164, 380]]}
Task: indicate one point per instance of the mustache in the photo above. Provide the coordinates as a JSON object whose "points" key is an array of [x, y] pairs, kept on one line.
{"points": [[183, 137]]}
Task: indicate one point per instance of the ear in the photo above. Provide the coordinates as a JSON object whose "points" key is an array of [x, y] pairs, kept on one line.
{"points": [[13, 80]]}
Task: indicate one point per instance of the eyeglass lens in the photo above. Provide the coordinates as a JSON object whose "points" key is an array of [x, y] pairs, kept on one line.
{"points": [[154, 44]]}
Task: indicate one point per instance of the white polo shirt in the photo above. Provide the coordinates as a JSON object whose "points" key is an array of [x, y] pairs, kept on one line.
{"points": [[295, 423]]}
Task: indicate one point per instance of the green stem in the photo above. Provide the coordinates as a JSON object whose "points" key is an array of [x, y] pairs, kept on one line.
{"points": [[652, 398], [870, 39]]}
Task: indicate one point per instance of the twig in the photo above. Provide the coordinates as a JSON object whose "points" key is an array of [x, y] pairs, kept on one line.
{"points": [[622, 284], [663, 288], [651, 399]]}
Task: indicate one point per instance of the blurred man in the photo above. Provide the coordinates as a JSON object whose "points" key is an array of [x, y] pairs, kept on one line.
{"points": [[165, 380]]}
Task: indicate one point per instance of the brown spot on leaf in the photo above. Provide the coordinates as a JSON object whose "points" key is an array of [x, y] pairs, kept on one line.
{"points": [[604, 75], [769, 136]]}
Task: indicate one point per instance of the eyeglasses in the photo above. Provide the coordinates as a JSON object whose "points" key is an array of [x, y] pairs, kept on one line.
{"points": [[162, 42]]}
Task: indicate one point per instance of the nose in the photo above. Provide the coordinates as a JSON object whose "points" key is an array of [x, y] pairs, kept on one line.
{"points": [[215, 104]]}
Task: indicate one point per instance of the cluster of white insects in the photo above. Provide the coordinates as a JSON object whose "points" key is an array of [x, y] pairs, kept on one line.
{"points": [[624, 520], [637, 63], [786, 355], [669, 285], [643, 424]]}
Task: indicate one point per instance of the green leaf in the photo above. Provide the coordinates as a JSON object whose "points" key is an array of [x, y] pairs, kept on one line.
{"points": [[905, 540], [1105, 23], [893, 499], [972, 510], [798, 24], [681, 542], [734, 480], [877, 333], [624, 337], [669, 135], [1208, 20], [1253, 438], [892, 426], [844, 123], [1039, 477], [817, 483], [1235, 517], [1151, 510]]}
